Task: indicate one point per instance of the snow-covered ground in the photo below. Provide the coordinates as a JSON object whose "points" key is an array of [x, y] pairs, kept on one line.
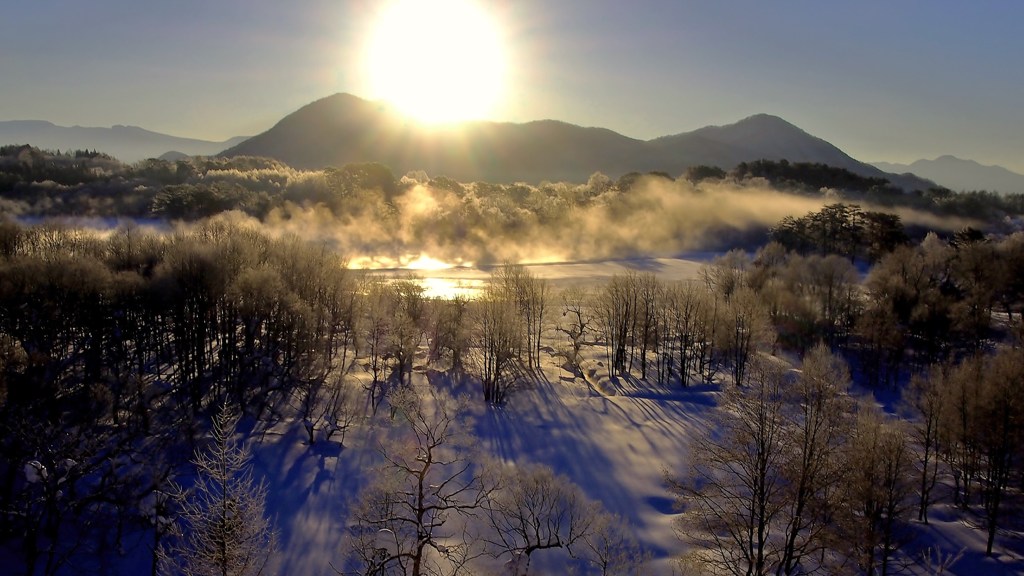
{"points": [[615, 445]]}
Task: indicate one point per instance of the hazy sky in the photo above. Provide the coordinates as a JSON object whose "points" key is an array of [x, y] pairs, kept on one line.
{"points": [[883, 80]]}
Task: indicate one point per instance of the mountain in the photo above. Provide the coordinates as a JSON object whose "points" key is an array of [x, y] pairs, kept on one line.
{"points": [[126, 143], [958, 174], [343, 128]]}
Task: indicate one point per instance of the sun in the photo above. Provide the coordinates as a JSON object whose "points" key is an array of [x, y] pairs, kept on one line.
{"points": [[437, 61]]}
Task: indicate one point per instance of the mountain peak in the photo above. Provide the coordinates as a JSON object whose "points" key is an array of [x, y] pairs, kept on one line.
{"points": [[765, 119], [758, 125]]}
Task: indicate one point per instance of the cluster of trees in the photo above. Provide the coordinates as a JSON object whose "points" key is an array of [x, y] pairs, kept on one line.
{"points": [[842, 229], [810, 176], [966, 421], [678, 332], [116, 350], [25, 164], [801, 478], [773, 491]]}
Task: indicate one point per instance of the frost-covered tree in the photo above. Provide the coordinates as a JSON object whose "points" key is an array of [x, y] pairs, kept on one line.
{"points": [[411, 519], [448, 330], [817, 428], [223, 527], [764, 490], [537, 509], [611, 548], [879, 487], [498, 339], [1002, 409], [616, 312], [577, 320], [745, 329], [733, 496], [530, 295]]}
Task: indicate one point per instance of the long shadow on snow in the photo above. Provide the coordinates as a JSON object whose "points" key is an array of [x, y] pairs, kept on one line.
{"points": [[668, 410], [538, 426], [309, 487]]}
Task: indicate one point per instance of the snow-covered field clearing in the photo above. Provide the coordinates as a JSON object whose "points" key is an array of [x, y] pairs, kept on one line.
{"points": [[614, 447]]}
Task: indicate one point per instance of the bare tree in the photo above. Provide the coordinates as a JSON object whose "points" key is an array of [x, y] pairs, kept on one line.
{"points": [[879, 486], [733, 496], [538, 510], [684, 331], [498, 341], [612, 548], [924, 402], [818, 427], [578, 321], [530, 295], [224, 531], [649, 294], [616, 316], [412, 519]]}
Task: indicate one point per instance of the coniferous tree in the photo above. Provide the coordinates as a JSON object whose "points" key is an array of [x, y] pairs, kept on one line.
{"points": [[223, 529]]}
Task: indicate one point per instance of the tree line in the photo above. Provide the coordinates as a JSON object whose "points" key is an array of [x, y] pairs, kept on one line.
{"points": [[37, 183]]}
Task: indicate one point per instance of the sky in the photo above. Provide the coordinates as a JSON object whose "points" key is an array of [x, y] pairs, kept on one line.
{"points": [[882, 80]]}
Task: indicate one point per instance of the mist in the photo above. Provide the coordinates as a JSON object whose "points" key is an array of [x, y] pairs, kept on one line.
{"points": [[551, 223], [376, 221]]}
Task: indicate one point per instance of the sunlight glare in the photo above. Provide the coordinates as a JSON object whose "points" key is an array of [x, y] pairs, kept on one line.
{"points": [[448, 288], [438, 61]]}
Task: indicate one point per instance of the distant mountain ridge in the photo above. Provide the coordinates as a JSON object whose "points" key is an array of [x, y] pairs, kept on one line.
{"points": [[126, 143], [343, 128], [959, 174]]}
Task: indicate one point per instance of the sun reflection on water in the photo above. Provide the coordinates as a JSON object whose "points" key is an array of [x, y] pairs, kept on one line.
{"points": [[438, 278], [449, 288]]}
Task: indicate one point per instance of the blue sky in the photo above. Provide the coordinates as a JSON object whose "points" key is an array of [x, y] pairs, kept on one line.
{"points": [[883, 80]]}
